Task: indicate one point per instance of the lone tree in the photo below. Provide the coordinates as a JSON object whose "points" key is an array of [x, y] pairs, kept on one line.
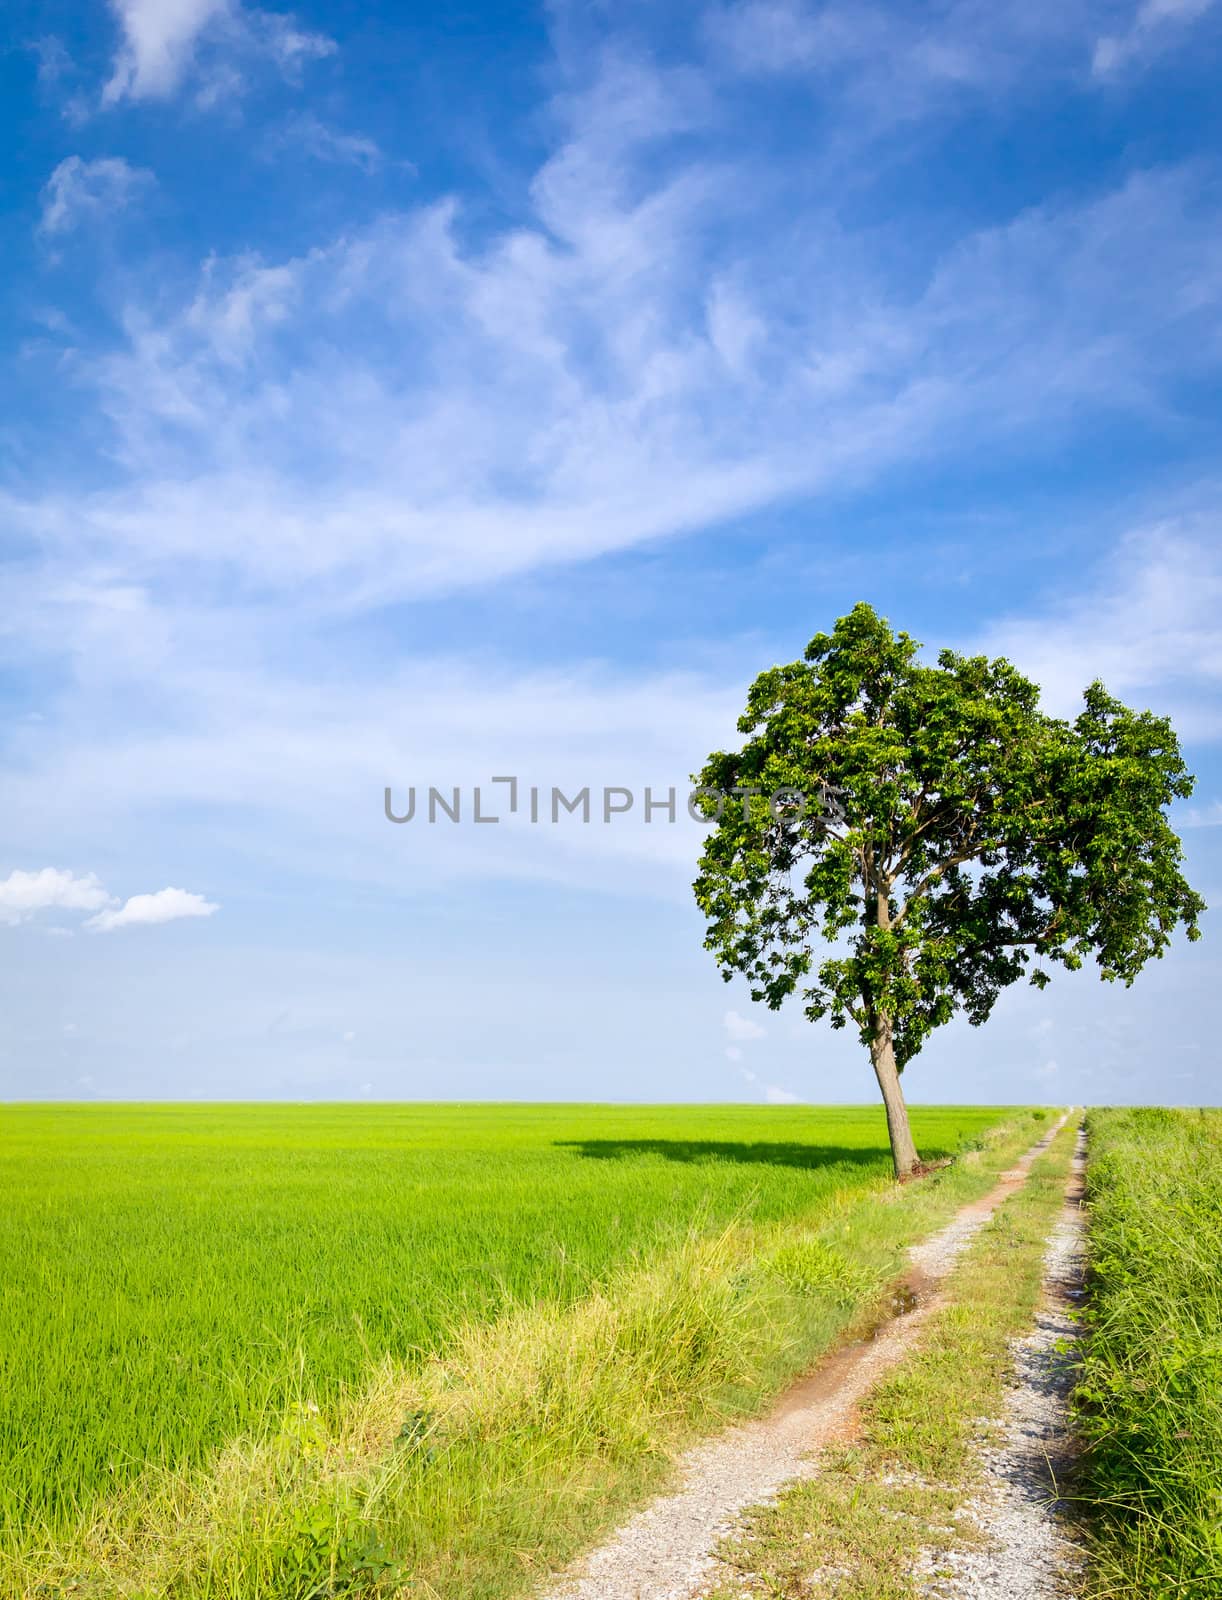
{"points": [[941, 833]]}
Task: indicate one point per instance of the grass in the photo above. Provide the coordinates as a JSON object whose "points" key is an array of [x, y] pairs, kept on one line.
{"points": [[319, 1350], [1150, 1399], [858, 1531]]}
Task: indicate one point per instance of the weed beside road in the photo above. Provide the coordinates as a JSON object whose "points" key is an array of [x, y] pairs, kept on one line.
{"points": [[1150, 1399]]}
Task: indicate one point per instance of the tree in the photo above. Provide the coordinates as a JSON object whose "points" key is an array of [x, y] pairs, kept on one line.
{"points": [[941, 833]]}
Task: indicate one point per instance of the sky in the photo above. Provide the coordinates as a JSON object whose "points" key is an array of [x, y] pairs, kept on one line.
{"points": [[410, 396]]}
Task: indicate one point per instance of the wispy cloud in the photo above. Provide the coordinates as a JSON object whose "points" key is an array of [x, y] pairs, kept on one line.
{"points": [[793, 37], [405, 409], [307, 135], [54, 62], [892, 65], [1147, 626], [79, 190], [1157, 25]]}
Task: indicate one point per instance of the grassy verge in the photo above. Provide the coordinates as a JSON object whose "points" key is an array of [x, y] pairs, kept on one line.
{"points": [[1150, 1400], [469, 1476], [858, 1531]]}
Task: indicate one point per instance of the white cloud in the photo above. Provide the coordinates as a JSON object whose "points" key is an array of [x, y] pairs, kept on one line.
{"points": [[23, 894], [163, 41], [740, 1028], [1147, 627], [776, 1096], [159, 44], [166, 905], [733, 1053], [79, 189], [1157, 25]]}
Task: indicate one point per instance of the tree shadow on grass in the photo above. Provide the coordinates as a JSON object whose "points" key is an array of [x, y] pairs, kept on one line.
{"points": [[764, 1153]]}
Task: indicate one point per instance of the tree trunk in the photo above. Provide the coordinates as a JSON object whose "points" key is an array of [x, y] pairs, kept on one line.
{"points": [[882, 1054]]}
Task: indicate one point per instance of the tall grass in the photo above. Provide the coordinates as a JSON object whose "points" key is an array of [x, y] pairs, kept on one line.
{"points": [[1150, 1398]]}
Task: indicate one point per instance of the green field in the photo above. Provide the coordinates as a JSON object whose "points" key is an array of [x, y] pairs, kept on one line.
{"points": [[175, 1276], [1151, 1392]]}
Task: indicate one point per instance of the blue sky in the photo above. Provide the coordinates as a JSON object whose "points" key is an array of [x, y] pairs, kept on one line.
{"points": [[395, 397]]}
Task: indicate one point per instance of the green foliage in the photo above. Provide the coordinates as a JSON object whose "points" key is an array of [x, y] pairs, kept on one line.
{"points": [[971, 838], [321, 1560], [809, 1265], [419, 1428], [1150, 1397]]}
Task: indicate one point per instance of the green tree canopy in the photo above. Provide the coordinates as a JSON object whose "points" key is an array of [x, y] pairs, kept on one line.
{"points": [[964, 839]]}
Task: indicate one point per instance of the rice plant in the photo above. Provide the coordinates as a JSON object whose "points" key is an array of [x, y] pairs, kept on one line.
{"points": [[210, 1308]]}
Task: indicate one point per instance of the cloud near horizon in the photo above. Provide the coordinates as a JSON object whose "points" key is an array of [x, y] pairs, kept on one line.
{"points": [[24, 894], [739, 1028]]}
